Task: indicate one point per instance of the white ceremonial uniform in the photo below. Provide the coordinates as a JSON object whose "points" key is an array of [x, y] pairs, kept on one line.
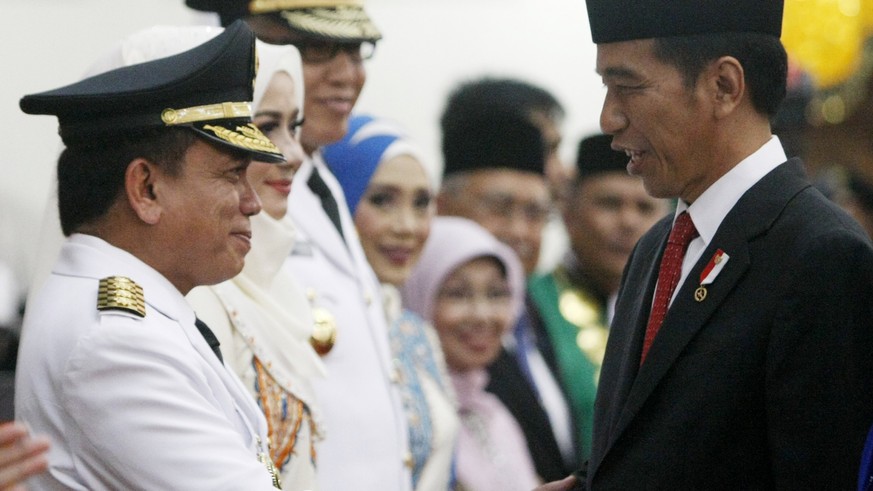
{"points": [[366, 441], [131, 402]]}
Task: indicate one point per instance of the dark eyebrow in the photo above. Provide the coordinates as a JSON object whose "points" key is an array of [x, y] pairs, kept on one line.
{"points": [[273, 114], [619, 72]]}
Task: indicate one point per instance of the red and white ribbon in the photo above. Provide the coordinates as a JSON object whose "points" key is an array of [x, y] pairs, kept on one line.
{"points": [[716, 264]]}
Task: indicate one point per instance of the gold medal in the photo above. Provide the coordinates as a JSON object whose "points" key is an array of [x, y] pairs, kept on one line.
{"points": [[592, 342], [700, 293], [583, 311], [323, 332], [577, 309]]}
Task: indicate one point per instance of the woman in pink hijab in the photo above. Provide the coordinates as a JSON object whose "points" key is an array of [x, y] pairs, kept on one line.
{"points": [[471, 287]]}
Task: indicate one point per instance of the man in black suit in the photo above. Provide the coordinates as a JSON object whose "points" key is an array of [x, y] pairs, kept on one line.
{"points": [[754, 370]]}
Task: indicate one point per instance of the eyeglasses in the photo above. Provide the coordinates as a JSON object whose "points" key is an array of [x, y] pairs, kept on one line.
{"points": [[324, 51], [505, 207]]}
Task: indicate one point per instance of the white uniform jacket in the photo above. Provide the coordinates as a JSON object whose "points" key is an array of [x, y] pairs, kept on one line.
{"points": [[366, 441], [130, 402]]}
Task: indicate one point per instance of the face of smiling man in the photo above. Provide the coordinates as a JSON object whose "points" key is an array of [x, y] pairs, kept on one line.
{"points": [[663, 124], [204, 217]]}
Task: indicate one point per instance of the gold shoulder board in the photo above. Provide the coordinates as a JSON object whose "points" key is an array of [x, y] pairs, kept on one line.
{"points": [[121, 293]]}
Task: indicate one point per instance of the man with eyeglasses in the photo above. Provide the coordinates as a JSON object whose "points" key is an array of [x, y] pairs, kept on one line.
{"points": [[365, 444], [494, 174]]}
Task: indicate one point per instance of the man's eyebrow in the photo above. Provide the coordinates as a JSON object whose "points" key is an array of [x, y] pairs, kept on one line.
{"points": [[267, 112], [618, 72]]}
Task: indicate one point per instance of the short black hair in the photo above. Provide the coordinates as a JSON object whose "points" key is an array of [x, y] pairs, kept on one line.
{"points": [[91, 177], [762, 56], [487, 95]]}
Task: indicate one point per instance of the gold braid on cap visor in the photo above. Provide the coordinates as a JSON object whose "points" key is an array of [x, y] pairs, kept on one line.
{"points": [[264, 6], [339, 23], [247, 136], [225, 110]]}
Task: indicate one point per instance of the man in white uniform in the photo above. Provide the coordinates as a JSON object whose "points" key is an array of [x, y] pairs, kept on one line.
{"points": [[153, 199]]}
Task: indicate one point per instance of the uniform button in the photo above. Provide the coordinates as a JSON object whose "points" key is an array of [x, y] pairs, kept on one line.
{"points": [[310, 294], [408, 461], [395, 376], [368, 298]]}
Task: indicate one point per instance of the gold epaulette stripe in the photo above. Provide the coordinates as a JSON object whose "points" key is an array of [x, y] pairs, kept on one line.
{"points": [[224, 110], [262, 6], [248, 136], [121, 293]]}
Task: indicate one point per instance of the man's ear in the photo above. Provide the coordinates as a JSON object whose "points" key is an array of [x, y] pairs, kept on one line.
{"points": [[139, 183], [729, 83]]}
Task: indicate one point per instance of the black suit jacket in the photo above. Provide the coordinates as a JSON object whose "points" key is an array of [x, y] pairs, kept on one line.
{"points": [[765, 384]]}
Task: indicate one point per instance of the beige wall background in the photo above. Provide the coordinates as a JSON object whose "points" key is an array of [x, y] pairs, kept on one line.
{"points": [[429, 46]]}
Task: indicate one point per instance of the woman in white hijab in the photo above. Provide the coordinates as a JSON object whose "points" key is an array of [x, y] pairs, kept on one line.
{"points": [[261, 316]]}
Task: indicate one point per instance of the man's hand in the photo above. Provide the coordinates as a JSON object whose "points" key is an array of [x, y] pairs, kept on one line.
{"points": [[21, 455], [565, 484]]}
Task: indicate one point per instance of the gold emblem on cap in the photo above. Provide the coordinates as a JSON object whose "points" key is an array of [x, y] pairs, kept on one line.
{"points": [[224, 110], [121, 293], [262, 6], [345, 21], [248, 137], [323, 332]]}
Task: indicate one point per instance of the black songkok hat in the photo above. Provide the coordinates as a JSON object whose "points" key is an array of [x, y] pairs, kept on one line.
{"points": [[596, 156], [494, 140], [330, 20], [208, 89], [623, 20]]}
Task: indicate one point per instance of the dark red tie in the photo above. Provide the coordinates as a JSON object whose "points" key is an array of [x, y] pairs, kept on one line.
{"points": [[668, 276]]}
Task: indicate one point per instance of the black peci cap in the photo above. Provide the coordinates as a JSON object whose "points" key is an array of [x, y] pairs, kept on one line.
{"points": [[228, 11], [494, 140], [208, 89], [595, 155], [623, 20], [330, 20]]}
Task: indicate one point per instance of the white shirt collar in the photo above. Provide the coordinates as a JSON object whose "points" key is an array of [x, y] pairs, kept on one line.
{"points": [[710, 209]]}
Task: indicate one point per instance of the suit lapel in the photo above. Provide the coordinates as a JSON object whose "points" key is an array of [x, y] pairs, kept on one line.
{"points": [[312, 221], [684, 319], [632, 309], [753, 215]]}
